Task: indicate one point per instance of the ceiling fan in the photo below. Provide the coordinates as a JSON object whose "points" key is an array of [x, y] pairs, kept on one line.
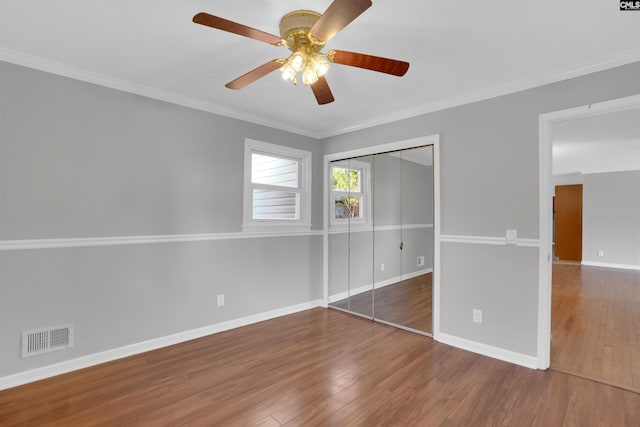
{"points": [[305, 33]]}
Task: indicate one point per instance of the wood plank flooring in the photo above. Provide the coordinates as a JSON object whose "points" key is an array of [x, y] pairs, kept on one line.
{"points": [[408, 303], [595, 323], [316, 368]]}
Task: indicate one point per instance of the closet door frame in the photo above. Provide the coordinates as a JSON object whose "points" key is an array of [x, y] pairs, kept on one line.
{"points": [[327, 210]]}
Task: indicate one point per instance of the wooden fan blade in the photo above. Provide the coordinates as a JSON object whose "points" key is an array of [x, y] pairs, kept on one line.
{"points": [[203, 18], [322, 92], [254, 74], [369, 62], [337, 16]]}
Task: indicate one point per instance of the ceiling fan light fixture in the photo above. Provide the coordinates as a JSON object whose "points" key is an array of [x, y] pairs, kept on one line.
{"points": [[308, 61], [305, 33], [322, 67], [309, 76], [288, 72], [298, 60]]}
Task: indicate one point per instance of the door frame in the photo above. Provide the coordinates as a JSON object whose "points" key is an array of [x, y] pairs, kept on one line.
{"points": [[546, 122], [433, 140]]}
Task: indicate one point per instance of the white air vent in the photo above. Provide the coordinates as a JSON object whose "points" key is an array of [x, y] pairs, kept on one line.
{"points": [[45, 340]]}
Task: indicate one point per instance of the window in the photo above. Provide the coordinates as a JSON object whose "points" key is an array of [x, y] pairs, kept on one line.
{"points": [[350, 192], [277, 187]]}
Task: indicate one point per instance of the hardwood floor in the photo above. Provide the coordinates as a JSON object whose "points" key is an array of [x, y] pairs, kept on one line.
{"points": [[316, 368], [408, 303], [595, 324]]}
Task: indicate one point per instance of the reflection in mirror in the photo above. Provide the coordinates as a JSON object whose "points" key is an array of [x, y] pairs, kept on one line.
{"points": [[417, 236], [381, 239], [350, 237], [403, 227]]}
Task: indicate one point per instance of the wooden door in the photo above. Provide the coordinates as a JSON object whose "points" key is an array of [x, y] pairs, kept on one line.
{"points": [[568, 209]]}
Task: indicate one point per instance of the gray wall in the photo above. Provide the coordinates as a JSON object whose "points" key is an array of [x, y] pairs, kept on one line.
{"points": [[611, 218], [489, 183], [78, 160]]}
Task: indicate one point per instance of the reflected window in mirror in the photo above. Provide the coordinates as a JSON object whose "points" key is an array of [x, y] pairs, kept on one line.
{"points": [[350, 193]]}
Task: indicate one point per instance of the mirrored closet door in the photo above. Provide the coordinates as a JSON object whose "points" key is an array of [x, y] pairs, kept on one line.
{"points": [[381, 237], [351, 236]]}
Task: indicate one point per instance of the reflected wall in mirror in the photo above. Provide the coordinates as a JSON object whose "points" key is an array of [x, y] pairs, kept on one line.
{"points": [[403, 212]]}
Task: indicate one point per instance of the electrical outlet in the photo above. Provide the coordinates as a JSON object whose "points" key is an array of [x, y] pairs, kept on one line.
{"points": [[381, 267], [477, 316], [600, 252], [512, 237], [220, 300], [420, 261]]}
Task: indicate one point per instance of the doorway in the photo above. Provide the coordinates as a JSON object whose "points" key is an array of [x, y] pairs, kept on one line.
{"points": [[582, 323], [382, 233]]}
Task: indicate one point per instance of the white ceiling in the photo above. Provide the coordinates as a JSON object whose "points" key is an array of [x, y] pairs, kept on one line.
{"points": [[460, 51], [607, 142]]}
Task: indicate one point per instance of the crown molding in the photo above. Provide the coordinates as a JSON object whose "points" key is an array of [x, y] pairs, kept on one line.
{"points": [[601, 64], [30, 61], [76, 73]]}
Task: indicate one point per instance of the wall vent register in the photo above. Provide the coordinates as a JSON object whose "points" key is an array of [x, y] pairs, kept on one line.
{"points": [[46, 340]]}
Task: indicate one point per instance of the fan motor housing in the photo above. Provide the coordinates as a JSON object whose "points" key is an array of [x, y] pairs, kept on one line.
{"points": [[296, 25]]}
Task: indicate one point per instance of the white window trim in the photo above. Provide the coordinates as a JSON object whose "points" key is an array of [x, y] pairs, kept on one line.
{"points": [[303, 223], [365, 183]]}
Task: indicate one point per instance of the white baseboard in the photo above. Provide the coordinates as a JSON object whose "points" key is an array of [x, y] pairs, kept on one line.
{"points": [[488, 350], [378, 285], [25, 377], [611, 265]]}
